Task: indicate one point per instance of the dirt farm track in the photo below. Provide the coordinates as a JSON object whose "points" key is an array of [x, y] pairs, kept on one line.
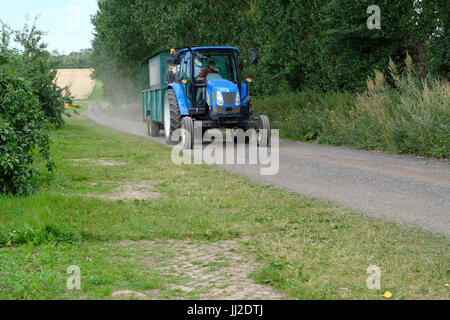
{"points": [[79, 81]]}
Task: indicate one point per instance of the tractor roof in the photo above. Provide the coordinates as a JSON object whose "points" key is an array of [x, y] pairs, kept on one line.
{"points": [[210, 48], [193, 49]]}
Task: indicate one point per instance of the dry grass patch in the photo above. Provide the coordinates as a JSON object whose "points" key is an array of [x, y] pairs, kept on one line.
{"points": [[101, 162], [143, 190], [199, 270], [128, 294]]}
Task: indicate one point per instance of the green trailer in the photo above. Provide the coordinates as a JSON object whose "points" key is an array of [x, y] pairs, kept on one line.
{"points": [[154, 87]]}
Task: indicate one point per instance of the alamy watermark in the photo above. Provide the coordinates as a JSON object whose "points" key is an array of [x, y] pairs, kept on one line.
{"points": [[229, 148], [73, 22], [74, 280], [373, 282], [374, 21]]}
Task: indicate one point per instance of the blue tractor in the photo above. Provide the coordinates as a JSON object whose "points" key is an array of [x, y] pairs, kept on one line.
{"points": [[184, 86]]}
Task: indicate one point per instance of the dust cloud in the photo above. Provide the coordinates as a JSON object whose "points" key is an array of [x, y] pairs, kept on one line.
{"points": [[121, 99]]}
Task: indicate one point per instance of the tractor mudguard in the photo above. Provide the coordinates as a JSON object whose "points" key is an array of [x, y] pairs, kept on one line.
{"points": [[183, 103]]}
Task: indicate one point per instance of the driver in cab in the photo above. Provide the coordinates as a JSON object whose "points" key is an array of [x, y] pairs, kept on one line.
{"points": [[211, 69]]}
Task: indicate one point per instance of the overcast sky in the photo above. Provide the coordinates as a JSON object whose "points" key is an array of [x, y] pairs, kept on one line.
{"points": [[68, 22]]}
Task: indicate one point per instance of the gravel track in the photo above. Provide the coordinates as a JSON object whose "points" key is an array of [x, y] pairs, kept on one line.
{"points": [[410, 190]]}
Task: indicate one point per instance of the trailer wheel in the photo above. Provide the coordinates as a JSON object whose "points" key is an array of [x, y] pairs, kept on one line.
{"points": [[152, 127], [263, 131], [187, 135], [172, 118]]}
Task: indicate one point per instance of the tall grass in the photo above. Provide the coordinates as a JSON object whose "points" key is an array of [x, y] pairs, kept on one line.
{"points": [[401, 114]]}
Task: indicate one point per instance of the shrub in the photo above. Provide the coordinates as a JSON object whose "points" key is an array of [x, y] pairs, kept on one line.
{"points": [[34, 63], [411, 116], [319, 44], [30, 101], [303, 115], [21, 132]]}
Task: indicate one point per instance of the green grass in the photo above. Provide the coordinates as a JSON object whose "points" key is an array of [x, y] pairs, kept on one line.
{"points": [[305, 248], [97, 92]]}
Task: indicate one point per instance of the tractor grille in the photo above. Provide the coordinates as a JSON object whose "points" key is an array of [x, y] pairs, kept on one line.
{"points": [[224, 110], [229, 98]]}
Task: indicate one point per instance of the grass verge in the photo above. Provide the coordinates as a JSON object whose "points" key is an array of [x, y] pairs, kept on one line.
{"points": [[305, 248], [97, 92]]}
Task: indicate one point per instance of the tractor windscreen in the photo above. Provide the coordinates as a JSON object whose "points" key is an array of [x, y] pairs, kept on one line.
{"points": [[214, 65]]}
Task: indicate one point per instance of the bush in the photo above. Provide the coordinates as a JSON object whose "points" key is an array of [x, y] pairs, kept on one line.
{"points": [[21, 132], [34, 63], [304, 115], [318, 44], [30, 101], [412, 116]]}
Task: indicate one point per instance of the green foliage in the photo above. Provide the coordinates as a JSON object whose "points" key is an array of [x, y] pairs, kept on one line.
{"points": [[21, 131], [438, 54], [30, 101], [48, 234], [303, 115], [317, 44], [73, 60], [413, 117], [33, 63]]}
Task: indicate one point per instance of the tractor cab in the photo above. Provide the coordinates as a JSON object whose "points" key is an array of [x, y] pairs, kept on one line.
{"points": [[211, 76], [216, 78]]}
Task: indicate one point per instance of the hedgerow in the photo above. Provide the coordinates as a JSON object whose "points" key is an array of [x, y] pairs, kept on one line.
{"points": [[34, 63], [320, 44], [21, 133], [30, 103], [411, 117]]}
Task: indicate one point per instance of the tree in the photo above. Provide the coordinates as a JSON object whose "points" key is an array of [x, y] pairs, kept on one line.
{"points": [[321, 44]]}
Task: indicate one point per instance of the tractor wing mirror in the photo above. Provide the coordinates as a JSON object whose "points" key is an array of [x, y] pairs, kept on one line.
{"points": [[254, 59]]}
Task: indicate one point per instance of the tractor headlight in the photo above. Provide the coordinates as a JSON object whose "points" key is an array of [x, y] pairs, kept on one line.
{"points": [[219, 98], [238, 99]]}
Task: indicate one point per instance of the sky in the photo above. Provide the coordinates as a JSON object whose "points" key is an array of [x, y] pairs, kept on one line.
{"points": [[68, 22]]}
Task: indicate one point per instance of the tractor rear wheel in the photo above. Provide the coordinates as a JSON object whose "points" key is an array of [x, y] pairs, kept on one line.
{"points": [[263, 131], [152, 127], [172, 118], [187, 135]]}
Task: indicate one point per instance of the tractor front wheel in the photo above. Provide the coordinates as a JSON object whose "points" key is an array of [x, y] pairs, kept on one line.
{"points": [[187, 133], [263, 131], [172, 118]]}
